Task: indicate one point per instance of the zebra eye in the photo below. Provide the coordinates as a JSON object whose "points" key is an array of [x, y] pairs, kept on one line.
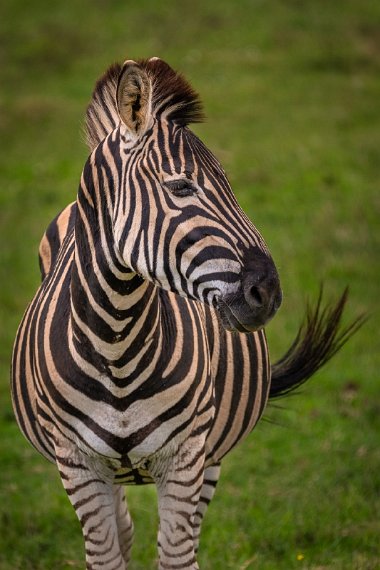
{"points": [[180, 188]]}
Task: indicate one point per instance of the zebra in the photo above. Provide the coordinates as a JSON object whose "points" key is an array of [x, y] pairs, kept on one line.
{"points": [[142, 357]]}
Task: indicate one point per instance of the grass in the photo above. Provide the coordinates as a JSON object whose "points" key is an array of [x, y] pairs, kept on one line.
{"points": [[291, 91]]}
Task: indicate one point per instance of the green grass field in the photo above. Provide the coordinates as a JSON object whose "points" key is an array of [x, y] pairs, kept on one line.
{"points": [[292, 95]]}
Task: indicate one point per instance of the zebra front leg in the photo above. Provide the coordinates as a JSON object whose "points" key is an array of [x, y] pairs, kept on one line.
{"points": [[178, 495], [124, 522], [90, 490], [210, 480]]}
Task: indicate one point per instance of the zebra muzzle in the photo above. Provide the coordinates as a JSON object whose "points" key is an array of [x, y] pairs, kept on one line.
{"points": [[256, 302]]}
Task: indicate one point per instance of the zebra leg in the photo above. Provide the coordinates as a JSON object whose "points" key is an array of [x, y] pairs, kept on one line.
{"points": [[178, 495], [124, 522], [90, 490], [211, 477]]}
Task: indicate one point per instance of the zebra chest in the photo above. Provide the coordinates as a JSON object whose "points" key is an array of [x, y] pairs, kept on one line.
{"points": [[125, 426], [129, 414]]}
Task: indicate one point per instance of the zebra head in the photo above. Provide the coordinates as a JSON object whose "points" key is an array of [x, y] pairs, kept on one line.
{"points": [[176, 220]]}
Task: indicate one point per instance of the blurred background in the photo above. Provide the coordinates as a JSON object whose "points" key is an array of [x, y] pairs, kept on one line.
{"points": [[292, 95]]}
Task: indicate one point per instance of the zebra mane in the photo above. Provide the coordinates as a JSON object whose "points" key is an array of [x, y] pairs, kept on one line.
{"points": [[172, 95], [172, 98], [101, 115]]}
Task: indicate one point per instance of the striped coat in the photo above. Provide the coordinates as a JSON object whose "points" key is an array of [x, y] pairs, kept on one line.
{"points": [[133, 363]]}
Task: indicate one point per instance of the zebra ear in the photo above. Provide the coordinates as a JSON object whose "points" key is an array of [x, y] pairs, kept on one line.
{"points": [[133, 96]]}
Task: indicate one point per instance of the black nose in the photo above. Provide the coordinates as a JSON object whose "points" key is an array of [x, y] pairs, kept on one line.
{"points": [[258, 297], [262, 291]]}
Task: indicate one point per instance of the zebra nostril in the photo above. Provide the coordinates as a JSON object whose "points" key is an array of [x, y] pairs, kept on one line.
{"points": [[254, 296], [255, 291], [261, 292]]}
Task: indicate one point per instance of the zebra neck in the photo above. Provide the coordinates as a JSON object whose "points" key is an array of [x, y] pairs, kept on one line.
{"points": [[115, 315]]}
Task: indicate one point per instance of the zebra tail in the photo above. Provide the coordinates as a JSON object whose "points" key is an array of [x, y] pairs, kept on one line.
{"points": [[319, 337], [101, 115]]}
